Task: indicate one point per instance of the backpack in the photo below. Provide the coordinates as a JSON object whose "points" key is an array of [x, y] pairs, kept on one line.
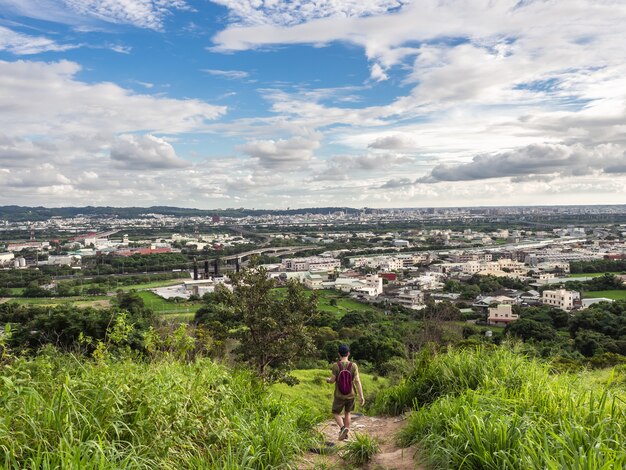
{"points": [[344, 380]]}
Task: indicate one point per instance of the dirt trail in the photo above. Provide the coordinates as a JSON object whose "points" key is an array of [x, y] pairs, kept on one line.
{"points": [[384, 429]]}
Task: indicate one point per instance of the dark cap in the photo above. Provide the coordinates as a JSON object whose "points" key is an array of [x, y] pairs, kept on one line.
{"points": [[344, 349]]}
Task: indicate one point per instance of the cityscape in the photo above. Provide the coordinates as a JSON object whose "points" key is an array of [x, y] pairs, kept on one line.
{"points": [[313, 234]]}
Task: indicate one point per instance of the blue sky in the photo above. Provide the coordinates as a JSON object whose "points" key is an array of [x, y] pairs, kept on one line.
{"points": [[267, 103]]}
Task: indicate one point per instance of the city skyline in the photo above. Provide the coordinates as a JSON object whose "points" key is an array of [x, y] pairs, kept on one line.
{"points": [[376, 103]]}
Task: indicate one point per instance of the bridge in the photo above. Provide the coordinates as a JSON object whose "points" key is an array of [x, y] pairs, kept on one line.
{"points": [[275, 250]]}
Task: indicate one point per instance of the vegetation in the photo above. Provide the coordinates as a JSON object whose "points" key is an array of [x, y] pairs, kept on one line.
{"points": [[60, 411], [493, 408], [360, 449], [598, 266], [607, 294], [272, 331]]}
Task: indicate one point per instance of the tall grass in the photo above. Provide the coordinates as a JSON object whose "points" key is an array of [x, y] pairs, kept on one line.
{"points": [[494, 409], [57, 411]]}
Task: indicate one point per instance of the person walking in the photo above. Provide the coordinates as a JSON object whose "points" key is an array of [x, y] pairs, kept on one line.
{"points": [[345, 376]]}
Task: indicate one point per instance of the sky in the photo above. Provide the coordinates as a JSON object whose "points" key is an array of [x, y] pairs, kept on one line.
{"points": [[276, 104]]}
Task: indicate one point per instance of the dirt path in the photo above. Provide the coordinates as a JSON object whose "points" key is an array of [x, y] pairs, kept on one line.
{"points": [[383, 429]]}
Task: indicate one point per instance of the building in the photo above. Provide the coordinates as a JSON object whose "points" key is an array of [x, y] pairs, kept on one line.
{"points": [[413, 299], [564, 299], [311, 263], [501, 315], [6, 258], [314, 281]]}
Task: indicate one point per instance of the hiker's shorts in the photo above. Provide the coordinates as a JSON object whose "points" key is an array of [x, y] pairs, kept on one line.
{"points": [[339, 404]]}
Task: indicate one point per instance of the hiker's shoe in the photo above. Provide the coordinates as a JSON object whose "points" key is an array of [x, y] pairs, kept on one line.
{"points": [[343, 434]]}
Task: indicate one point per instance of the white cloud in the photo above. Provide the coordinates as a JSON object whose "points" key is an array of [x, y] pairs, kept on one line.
{"points": [[145, 153], [284, 154], [230, 74], [378, 74], [149, 14], [24, 44], [283, 13], [73, 107]]}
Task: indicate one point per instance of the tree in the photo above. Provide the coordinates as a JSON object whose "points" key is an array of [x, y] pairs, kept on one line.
{"points": [[274, 329], [528, 329]]}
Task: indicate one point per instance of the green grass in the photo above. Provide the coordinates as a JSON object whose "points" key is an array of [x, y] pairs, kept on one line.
{"points": [[63, 412], [360, 449], [344, 304], [16, 290], [153, 284], [178, 317], [609, 294], [161, 306], [314, 393], [495, 409]]}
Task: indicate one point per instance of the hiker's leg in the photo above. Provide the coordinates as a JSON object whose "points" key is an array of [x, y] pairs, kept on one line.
{"points": [[346, 420], [338, 419]]}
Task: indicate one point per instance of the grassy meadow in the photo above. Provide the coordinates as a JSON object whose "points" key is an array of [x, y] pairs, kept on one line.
{"points": [[609, 294], [161, 306], [495, 409], [57, 411]]}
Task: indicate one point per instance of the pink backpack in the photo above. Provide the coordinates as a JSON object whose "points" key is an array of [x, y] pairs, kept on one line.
{"points": [[344, 381]]}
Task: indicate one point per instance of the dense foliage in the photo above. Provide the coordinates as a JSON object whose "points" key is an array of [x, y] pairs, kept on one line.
{"points": [[63, 326], [492, 408], [598, 266], [58, 411]]}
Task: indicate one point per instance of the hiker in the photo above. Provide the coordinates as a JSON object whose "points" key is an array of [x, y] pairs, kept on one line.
{"points": [[345, 376]]}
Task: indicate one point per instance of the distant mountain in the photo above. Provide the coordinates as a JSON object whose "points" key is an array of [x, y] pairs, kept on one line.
{"points": [[23, 213]]}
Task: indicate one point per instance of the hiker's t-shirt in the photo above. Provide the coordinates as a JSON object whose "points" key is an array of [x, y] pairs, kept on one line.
{"points": [[355, 376]]}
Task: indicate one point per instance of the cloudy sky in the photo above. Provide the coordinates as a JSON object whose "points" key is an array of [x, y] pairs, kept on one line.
{"points": [[273, 104]]}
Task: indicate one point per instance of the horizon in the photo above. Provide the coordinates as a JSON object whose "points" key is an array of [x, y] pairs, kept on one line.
{"points": [[278, 209], [380, 103]]}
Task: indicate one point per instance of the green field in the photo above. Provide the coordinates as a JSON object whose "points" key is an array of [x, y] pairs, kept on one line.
{"points": [[139, 286], [609, 294], [314, 392], [162, 306], [153, 284], [178, 317], [344, 304]]}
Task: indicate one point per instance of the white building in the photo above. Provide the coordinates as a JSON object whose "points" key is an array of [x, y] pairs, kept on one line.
{"points": [[311, 263], [561, 298]]}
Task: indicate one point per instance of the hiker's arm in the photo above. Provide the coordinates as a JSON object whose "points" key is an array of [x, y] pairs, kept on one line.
{"points": [[332, 379], [359, 389]]}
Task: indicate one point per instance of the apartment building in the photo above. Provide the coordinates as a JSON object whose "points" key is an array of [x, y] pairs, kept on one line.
{"points": [[561, 298], [311, 263]]}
